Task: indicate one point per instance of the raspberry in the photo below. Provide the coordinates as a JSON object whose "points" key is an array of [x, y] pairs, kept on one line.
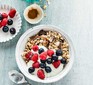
{"points": [[35, 48], [43, 56], [40, 74], [4, 22], [28, 55], [56, 64], [4, 15], [0, 25], [12, 13], [50, 52], [36, 65], [34, 57]]}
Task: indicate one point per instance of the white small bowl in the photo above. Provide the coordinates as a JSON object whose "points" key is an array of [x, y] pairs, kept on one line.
{"points": [[17, 24], [21, 45], [36, 20]]}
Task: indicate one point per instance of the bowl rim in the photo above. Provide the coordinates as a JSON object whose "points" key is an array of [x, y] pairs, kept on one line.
{"points": [[64, 71]]}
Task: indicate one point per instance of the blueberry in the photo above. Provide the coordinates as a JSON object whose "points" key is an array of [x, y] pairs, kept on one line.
{"points": [[5, 29], [59, 52], [63, 61], [49, 60], [31, 70], [12, 31], [10, 22], [43, 61], [40, 50], [1, 17], [54, 57], [42, 65], [48, 69]]}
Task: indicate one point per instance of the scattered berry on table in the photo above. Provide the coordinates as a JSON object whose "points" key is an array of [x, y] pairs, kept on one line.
{"points": [[49, 60], [5, 29], [42, 65], [4, 22], [31, 70], [40, 74], [1, 17], [59, 52], [56, 64], [34, 57], [35, 48], [12, 30], [48, 69], [36, 65], [40, 50], [5, 15], [50, 52], [54, 57], [10, 22], [63, 61], [12, 13]]}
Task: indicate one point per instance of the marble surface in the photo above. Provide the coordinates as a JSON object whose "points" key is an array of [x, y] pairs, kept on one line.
{"points": [[75, 17]]}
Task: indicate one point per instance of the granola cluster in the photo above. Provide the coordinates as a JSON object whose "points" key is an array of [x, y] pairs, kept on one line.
{"points": [[49, 39]]}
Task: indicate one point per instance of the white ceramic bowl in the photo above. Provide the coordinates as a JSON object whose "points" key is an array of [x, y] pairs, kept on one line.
{"points": [[21, 45], [17, 24], [36, 20]]}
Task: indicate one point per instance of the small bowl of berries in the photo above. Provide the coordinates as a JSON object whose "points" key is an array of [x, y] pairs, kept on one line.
{"points": [[44, 54], [10, 23]]}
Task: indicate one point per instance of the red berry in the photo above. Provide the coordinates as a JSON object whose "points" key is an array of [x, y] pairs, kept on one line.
{"points": [[35, 48], [12, 13], [4, 15], [56, 64], [50, 52], [40, 74], [34, 57], [28, 55], [43, 56], [36, 65], [4, 22], [0, 25]]}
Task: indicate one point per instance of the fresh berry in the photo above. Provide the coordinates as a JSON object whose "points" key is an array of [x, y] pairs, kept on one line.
{"points": [[34, 57], [40, 50], [59, 52], [12, 30], [31, 70], [63, 61], [12, 13], [43, 61], [56, 64], [5, 29], [4, 22], [36, 65], [0, 25], [42, 65], [54, 57], [50, 52], [48, 69], [43, 56], [35, 48], [4, 15], [1, 17], [28, 55], [40, 74], [10, 22], [49, 60]]}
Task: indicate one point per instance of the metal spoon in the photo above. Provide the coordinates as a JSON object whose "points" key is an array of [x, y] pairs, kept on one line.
{"points": [[17, 77]]}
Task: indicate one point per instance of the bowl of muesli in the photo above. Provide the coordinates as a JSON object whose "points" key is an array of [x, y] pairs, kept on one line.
{"points": [[44, 54]]}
